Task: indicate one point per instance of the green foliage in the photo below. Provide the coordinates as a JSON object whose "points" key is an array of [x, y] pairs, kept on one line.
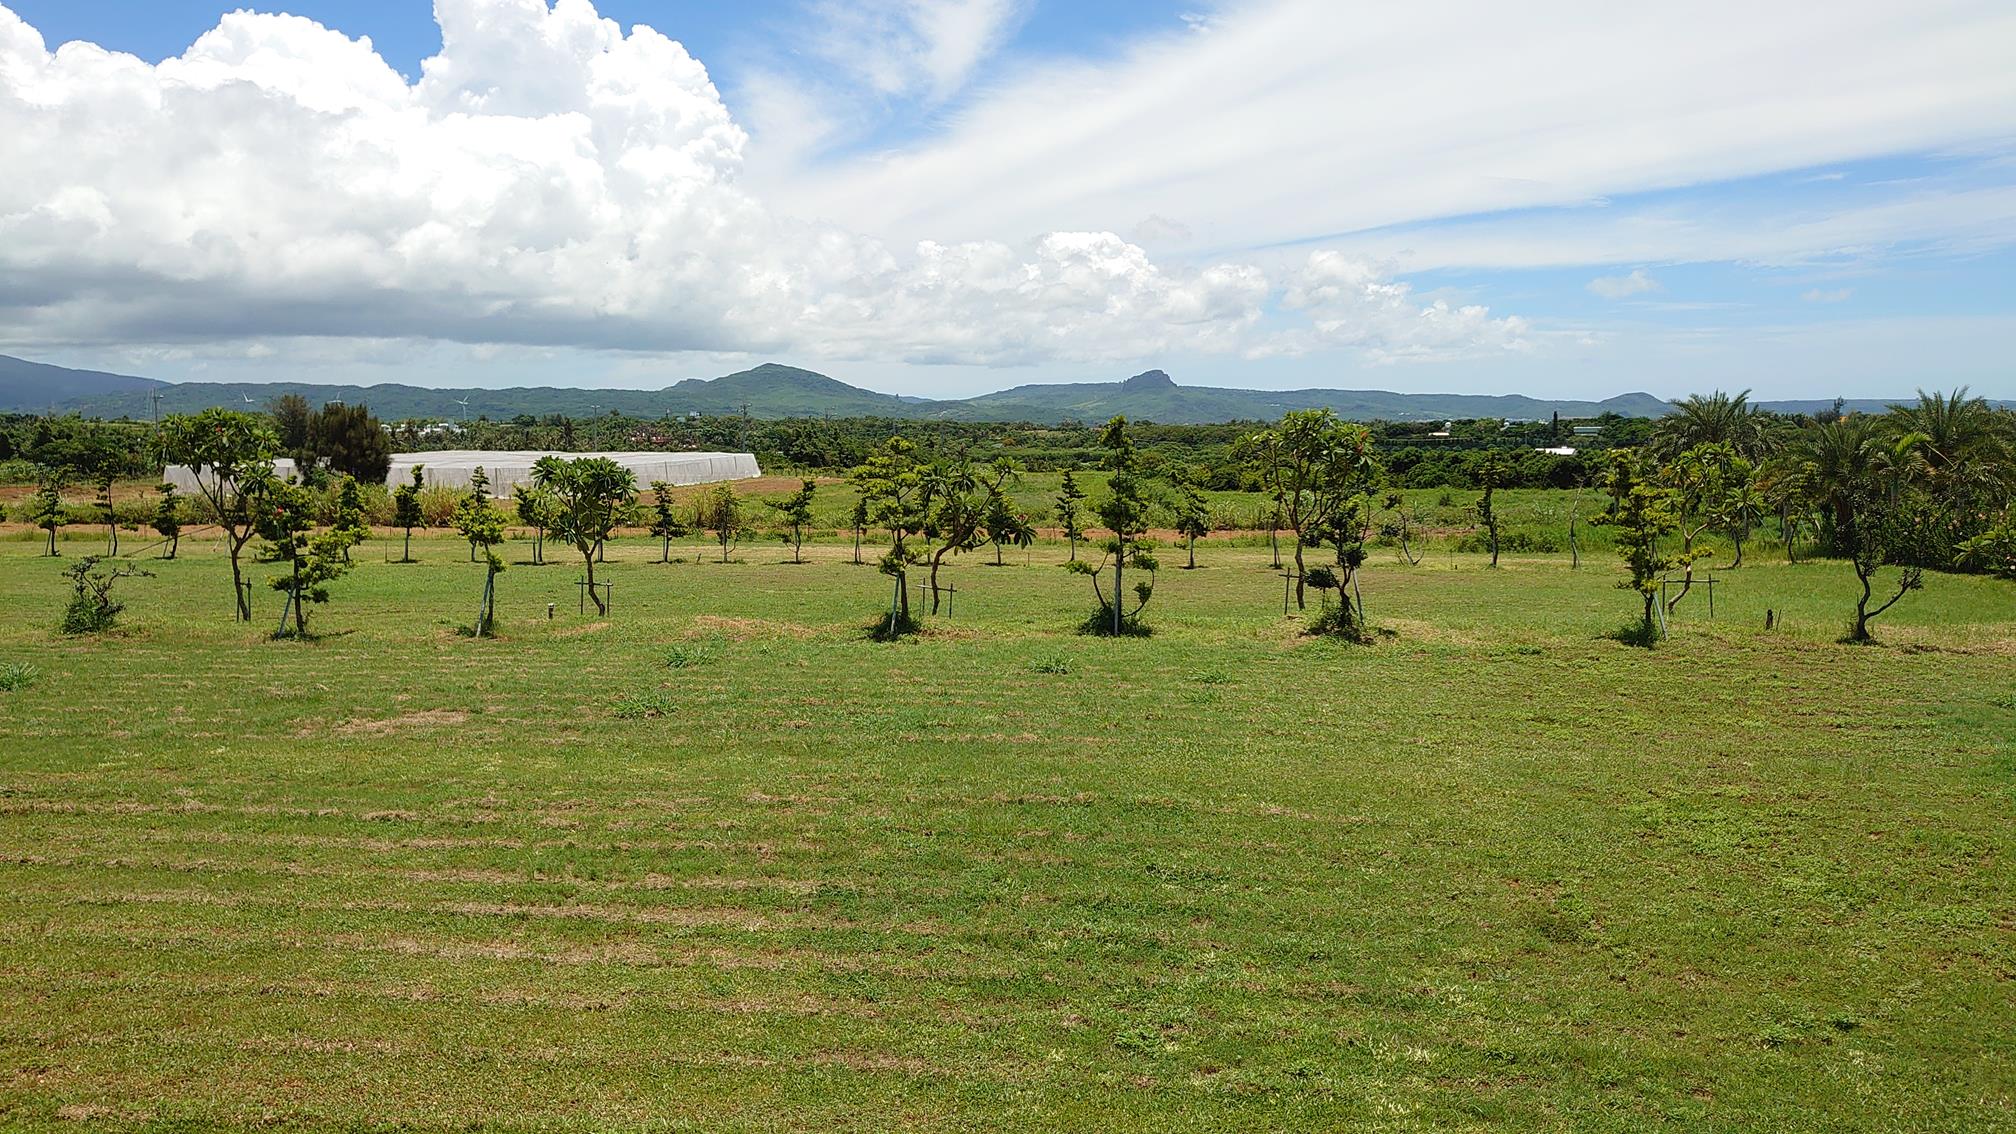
{"points": [[349, 518], [591, 495], [691, 655], [346, 439], [16, 676], [45, 508], [643, 706], [283, 513], [406, 512], [92, 609], [1124, 511], [1054, 663], [796, 512], [1070, 503], [1645, 513], [720, 510], [891, 484], [228, 451], [1312, 464], [167, 519]]}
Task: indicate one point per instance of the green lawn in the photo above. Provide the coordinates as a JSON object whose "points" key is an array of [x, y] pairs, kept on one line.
{"points": [[1496, 872]]}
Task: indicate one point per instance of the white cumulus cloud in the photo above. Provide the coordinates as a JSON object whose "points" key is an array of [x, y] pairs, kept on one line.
{"points": [[549, 181]]}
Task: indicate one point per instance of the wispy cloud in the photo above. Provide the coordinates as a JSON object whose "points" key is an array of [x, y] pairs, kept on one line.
{"points": [[1622, 287], [1827, 295]]}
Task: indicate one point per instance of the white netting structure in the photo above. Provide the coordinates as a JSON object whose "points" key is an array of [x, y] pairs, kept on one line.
{"points": [[183, 477], [507, 469]]}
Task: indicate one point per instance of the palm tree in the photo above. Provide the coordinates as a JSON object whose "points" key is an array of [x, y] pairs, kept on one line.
{"points": [[1716, 419], [1959, 441]]}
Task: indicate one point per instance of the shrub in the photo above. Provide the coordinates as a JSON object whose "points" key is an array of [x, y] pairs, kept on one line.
{"points": [[438, 503], [92, 608]]}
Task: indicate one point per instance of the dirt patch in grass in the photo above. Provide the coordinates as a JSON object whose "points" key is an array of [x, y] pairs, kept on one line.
{"points": [[425, 719], [743, 629]]}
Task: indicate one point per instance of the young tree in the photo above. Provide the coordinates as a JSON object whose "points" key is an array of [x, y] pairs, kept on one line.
{"points": [[479, 489], [1070, 499], [955, 514], [665, 521], [225, 449], [1124, 511], [1869, 486], [1003, 524], [590, 495], [284, 514], [1311, 463], [108, 511], [1347, 530], [1491, 472], [92, 609], [796, 511], [858, 518], [406, 512], [481, 522], [891, 483], [45, 508], [1645, 512], [293, 429], [349, 518], [720, 511], [1193, 517], [535, 511], [168, 519], [1404, 520]]}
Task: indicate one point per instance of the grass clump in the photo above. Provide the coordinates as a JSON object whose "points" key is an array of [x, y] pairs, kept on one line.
{"points": [[643, 706], [16, 676]]}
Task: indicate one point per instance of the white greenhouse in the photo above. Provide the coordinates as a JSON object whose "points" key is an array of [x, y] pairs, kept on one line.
{"points": [[507, 469], [185, 480]]}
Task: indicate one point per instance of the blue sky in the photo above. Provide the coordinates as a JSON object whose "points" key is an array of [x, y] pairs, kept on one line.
{"points": [[947, 196]]}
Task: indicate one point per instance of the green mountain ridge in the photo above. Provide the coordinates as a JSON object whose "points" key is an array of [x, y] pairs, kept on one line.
{"points": [[773, 390]]}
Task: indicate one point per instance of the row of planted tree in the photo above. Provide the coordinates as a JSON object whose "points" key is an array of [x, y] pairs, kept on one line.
{"points": [[1923, 486]]}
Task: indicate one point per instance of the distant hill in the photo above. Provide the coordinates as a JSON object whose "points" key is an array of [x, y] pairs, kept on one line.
{"points": [[35, 387], [770, 391], [1154, 396], [775, 391]]}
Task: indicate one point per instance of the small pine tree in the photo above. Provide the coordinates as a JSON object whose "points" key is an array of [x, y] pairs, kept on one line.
{"points": [[283, 514], [406, 512], [796, 511], [108, 512], [349, 518], [45, 508], [665, 521], [1644, 512], [1070, 498], [1193, 518], [1124, 511], [168, 519], [92, 609], [481, 522]]}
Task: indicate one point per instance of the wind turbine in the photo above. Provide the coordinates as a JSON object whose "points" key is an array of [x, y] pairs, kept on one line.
{"points": [[464, 403], [247, 397]]}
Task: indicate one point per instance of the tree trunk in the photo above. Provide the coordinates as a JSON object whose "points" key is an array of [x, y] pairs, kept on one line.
{"points": [[1074, 548], [1192, 549], [1119, 566], [937, 557], [174, 544], [997, 553], [406, 552], [112, 533], [1861, 633], [665, 552], [52, 542], [857, 547], [1300, 602], [1738, 560], [589, 557], [300, 614], [238, 580], [797, 545]]}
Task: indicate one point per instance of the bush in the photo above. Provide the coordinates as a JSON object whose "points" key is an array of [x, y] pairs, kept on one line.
{"points": [[437, 505], [1510, 543], [92, 609]]}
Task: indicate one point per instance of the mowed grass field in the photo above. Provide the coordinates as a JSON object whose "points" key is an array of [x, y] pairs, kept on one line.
{"points": [[718, 863]]}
